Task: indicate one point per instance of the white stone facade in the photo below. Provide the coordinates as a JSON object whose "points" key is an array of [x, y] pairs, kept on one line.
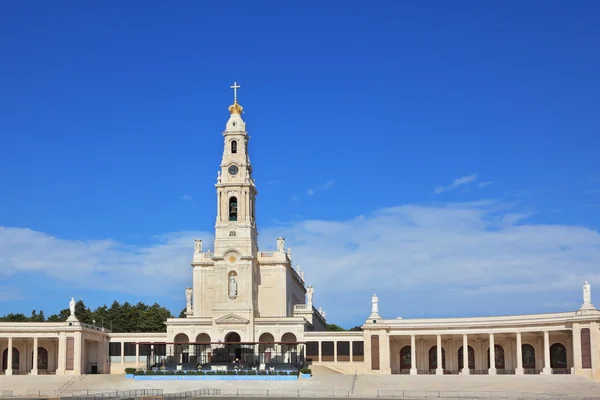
{"points": [[258, 296]]}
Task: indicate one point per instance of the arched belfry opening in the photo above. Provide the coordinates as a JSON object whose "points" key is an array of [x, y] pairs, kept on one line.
{"points": [[233, 146], [233, 208]]}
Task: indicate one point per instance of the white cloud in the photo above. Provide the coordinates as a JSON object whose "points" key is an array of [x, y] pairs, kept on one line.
{"points": [[485, 184], [186, 197], [463, 180], [469, 258], [108, 264], [325, 186]]}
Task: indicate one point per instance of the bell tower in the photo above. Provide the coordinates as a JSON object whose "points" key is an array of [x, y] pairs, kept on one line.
{"points": [[235, 271], [236, 193]]}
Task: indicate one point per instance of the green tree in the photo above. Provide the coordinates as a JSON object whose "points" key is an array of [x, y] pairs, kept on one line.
{"points": [[356, 328], [334, 328], [118, 317], [182, 314], [14, 318], [35, 317], [82, 313], [61, 316]]}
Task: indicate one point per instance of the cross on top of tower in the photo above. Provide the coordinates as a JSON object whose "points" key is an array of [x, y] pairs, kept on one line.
{"points": [[235, 108], [235, 87]]}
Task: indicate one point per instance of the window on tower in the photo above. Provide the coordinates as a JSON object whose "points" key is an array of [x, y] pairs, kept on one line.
{"points": [[233, 208], [234, 146]]}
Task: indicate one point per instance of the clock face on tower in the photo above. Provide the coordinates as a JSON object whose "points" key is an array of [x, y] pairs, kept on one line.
{"points": [[233, 169]]}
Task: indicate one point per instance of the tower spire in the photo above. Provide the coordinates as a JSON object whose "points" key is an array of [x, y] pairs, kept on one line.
{"points": [[235, 108]]}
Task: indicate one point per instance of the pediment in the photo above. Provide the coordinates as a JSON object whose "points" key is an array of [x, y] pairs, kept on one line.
{"points": [[231, 319]]}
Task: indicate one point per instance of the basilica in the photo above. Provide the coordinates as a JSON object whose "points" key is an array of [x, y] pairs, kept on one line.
{"points": [[249, 308]]}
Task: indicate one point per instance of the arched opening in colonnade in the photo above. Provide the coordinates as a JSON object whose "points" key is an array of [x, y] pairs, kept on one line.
{"points": [[471, 357], [203, 349], [558, 356], [433, 358], [405, 361], [42, 360], [233, 337], [266, 348], [235, 352], [15, 359], [528, 356], [499, 357], [289, 348], [181, 349]]}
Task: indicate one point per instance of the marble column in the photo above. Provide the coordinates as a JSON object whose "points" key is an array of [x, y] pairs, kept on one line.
{"points": [[77, 354], [9, 360], [384, 351], [62, 353], [547, 370], [304, 352], [465, 370], [576, 348], [335, 351], [351, 351], [320, 351], [413, 355], [34, 368], [122, 353], [440, 365], [137, 353], [519, 369], [492, 370]]}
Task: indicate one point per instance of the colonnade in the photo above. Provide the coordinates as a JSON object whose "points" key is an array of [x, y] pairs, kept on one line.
{"points": [[483, 352], [58, 353]]}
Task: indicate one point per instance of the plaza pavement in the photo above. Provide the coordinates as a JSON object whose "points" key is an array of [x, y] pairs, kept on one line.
{"points": [[323, 384]]}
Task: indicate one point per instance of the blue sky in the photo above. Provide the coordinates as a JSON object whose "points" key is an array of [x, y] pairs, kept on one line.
{"points": [[442, 154]]}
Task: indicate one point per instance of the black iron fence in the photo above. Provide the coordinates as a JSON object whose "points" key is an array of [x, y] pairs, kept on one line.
{"points": [[277, 356]]}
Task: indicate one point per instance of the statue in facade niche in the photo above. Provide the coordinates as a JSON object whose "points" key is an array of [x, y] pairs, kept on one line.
{"points": [[280, 244], [374, 304], [197, 246], [232, 286]]}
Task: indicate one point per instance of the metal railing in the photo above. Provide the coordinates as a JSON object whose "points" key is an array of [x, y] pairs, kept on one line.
{"points": [[42, 393], [451, 394], [275, 393], [301, 393], [193, 393], [323, 394], [111, 394]]}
